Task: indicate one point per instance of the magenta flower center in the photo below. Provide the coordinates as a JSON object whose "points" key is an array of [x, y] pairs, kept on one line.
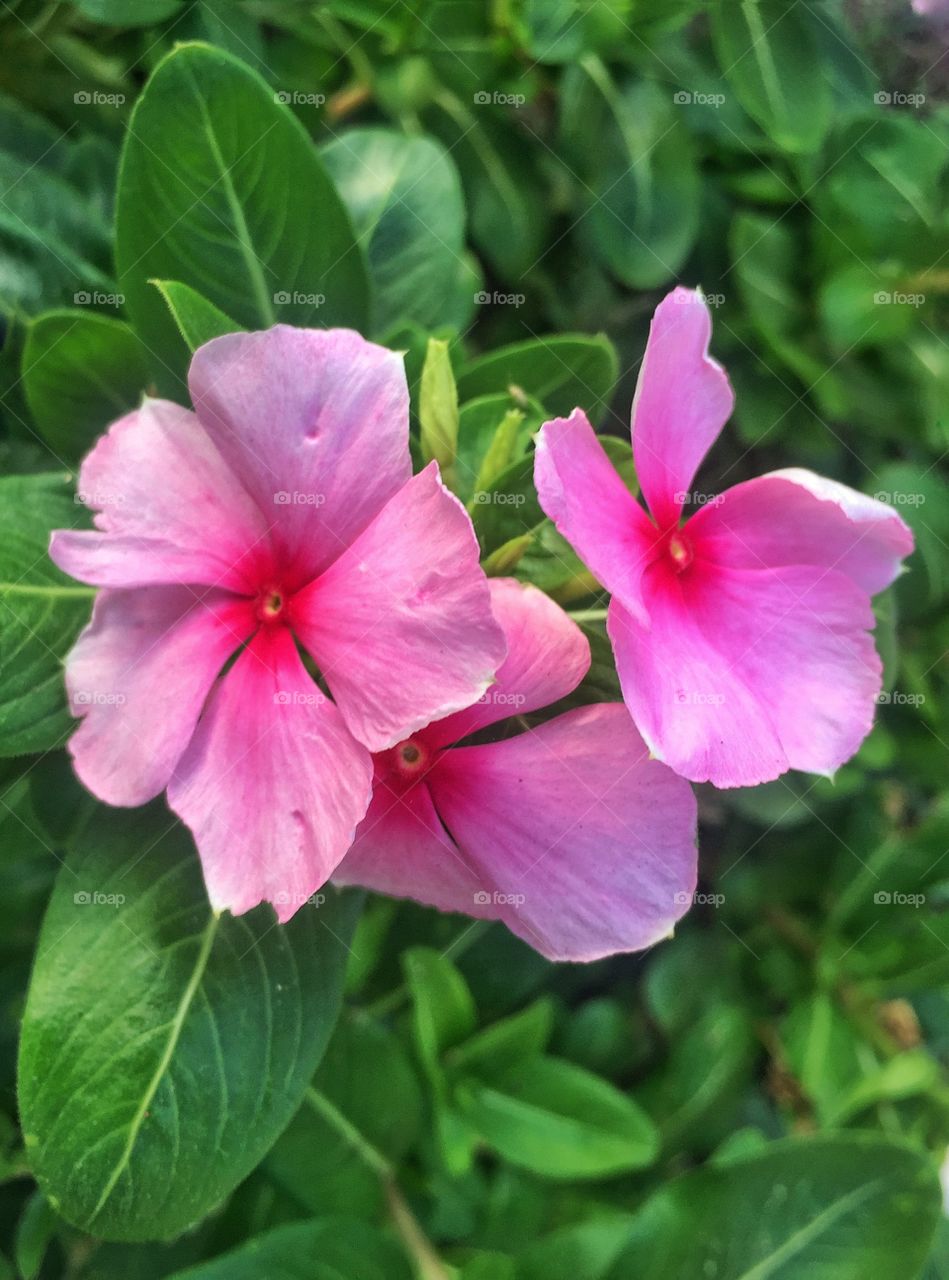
{"points": [[679, 550], [270, 605]]}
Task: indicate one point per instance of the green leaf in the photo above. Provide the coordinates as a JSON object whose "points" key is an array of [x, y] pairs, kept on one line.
{"points": [[164, 1048], [582, 1252], [81, 371], [443, 1010], [560, 1121], [325, 1249], [41, 612], [828, 1208], [507, 210], [768, 53], [405, 201], [562, 372], [438, 409], [197, 319], [221, 189], [640, 179], [493, 1051], [34, 1231], [119, 13]]}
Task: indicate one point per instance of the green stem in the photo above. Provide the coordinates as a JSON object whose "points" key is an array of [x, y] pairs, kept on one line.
{"points": [[428, 1265], [588, 615]]}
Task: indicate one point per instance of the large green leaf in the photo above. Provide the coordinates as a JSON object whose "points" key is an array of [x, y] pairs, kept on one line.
{"points": [[640, 183], [562, 372], [768, 54], [164, 1047], [221, 189], [404, 197], [829, 1208], [41, 612], [80, 372]]}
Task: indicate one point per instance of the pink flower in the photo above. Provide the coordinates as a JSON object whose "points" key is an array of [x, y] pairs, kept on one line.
{"points": [[283, 511], [567, 832], [741, 637]]}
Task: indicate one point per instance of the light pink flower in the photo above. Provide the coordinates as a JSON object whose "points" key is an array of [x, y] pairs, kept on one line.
{"points": [[742, 637], [567, 832], [282, 511]]}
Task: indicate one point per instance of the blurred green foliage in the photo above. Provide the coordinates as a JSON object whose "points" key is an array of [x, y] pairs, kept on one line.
{"points": [[767, 1093]]}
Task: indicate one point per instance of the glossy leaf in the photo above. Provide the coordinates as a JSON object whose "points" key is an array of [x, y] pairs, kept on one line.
{"points": [[164, 1048], [221, 189]]}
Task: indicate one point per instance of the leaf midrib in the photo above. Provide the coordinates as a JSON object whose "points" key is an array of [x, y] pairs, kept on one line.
{"points": [[812, 1231], [181, 1013], [242, 231]]}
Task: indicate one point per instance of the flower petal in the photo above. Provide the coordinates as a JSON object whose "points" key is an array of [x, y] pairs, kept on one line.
{"points": [[581, 491], [402, 849], [547, 657], [272, 785], [139, 675], [584, 846], [169, 510], [401, 625], [683, 399], [316, 424], [796, 517], [744, 674]]}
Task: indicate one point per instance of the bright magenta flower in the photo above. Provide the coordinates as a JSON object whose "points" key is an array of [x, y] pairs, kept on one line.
{"points": [[741, 637], [567, 832], [282, 511]]}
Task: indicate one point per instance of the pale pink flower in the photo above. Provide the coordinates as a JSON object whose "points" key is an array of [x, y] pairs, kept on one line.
{"points": [[283, 511], [567, 832], [741, 637]]}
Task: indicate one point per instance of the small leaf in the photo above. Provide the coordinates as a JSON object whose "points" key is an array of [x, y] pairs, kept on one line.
{"points": [[41, 612], [443, 1010], [562, 372], [197, 319], [81, 371], [560, 1121]]}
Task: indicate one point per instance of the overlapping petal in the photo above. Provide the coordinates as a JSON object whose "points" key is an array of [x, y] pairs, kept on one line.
{"points": [[547, 657], [743, 674], [315, 423], [168, 508], [402, 849], [272, 784], [683, 399], [584, 847], [139, 675], [796, 517], [401, 624]]}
